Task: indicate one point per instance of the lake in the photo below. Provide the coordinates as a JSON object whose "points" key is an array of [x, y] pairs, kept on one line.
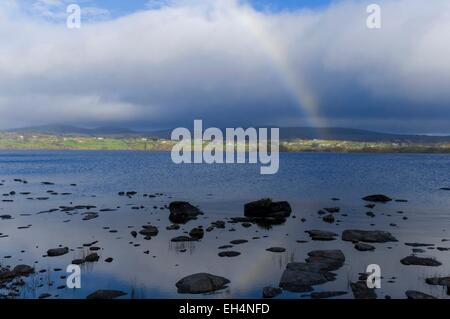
{"points": [[150, 268]]}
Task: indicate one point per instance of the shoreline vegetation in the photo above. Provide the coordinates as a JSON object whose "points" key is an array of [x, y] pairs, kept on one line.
{"points": [[14, 141]]}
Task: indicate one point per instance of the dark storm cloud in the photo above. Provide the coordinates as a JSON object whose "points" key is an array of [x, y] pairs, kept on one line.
{"points": [[228, 64]]}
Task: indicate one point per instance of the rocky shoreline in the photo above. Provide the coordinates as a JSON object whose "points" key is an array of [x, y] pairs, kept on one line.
{"points": [[299, 276]]}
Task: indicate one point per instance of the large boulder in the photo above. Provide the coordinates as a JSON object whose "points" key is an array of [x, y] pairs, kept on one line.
{"points": [[301, 276], [420, 261], [19, 270], [23, 270], [201, 283], [329, 260], [369, 236], [182, 212], [265, 208]]}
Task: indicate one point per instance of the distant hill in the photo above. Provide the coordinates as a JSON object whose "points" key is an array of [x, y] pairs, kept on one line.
{"points": [[340, 134], [349, 134], [59, 129], [286, 133]]}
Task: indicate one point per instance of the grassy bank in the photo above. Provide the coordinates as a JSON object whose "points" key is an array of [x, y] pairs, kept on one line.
{"points": [[12, 141]]}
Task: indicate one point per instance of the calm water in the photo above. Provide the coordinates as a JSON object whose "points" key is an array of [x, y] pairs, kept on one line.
{"points": [[307, 181]]}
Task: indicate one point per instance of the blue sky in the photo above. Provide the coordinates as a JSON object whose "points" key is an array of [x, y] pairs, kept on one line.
{"points": [[117, 8], [121, 7]]}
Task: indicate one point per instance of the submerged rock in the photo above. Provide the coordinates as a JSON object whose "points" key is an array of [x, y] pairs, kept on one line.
{"points": [[271, 292], [106, 294], [420, 261], [413, 294], [369, 236], [182, 212], [377, 198], [201, 283], [54, 252]]}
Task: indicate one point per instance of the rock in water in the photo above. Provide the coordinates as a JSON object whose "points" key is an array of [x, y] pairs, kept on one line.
{"points": [[364, 247], [276, 249], [329, 219], [327, 294], [181, 239], [328, 260], [229, 253], [369, 236], [300, 277], [149, 231], [413, 294], [321, 235], [54, 252], [92, 257], [361, 291], [197, 233], [182, 212], [420, 261], [90, 215], [265, 208], [377, 198], [271, 292], [23, 270], [201, 283], [439, 281], [106, 294]]}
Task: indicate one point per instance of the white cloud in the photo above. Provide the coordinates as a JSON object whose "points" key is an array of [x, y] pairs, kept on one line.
{"points": [[225, 62]]}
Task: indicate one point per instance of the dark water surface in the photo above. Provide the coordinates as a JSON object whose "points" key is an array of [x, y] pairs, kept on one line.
{"points": [[307, 181]]}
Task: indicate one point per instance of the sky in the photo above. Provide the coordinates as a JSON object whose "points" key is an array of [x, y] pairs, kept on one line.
{"points": [[152, 64]]}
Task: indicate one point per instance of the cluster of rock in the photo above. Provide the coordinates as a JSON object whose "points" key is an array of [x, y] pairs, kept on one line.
{"points": [[302, 276]]}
